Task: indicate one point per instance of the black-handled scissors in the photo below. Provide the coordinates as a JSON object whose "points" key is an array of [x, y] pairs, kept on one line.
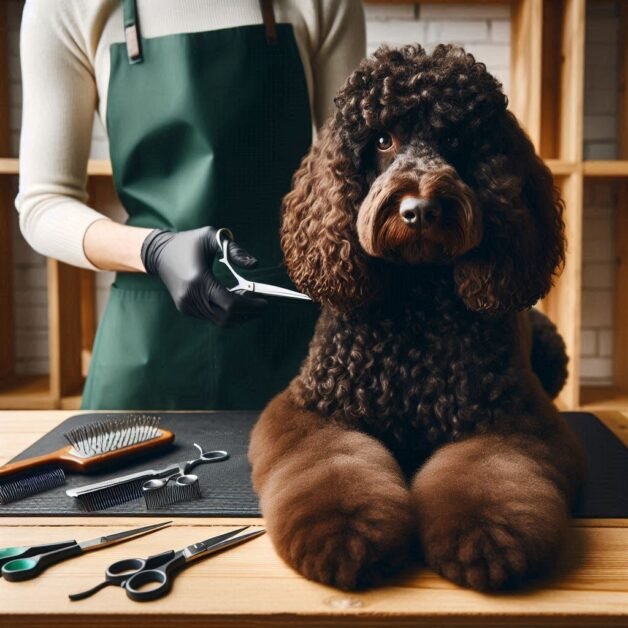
{"points": [[150, 578], [24, 563]]}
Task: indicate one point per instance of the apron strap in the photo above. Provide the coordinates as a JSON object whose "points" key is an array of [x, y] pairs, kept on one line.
{"points": [[268, 15], [133, 37], [132, 31]]}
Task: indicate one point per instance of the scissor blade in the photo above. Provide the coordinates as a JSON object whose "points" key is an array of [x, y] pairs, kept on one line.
{"points": [[192, 550], [234, 541], [278, 291], [110, 539], [218, 543]]}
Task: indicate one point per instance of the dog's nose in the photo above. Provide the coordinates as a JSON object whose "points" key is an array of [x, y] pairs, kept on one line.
{"points": [[417, 212]]}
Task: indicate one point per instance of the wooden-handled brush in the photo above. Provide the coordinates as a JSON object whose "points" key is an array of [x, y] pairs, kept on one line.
{"points": [[89, 446]]}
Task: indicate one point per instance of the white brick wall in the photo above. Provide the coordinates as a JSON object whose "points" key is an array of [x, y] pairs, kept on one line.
{"points": [[483, 29]]}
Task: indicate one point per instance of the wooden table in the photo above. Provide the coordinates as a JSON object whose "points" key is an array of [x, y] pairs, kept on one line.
{"points": [[250, 586]]}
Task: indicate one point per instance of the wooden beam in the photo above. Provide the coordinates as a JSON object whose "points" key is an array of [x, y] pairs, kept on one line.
{"points": [[7, 327], [551, 71], [561, 139], [606, 168], [95, 167], [64, 323], [620, 347], [526, 61], [622, 85], [571, 112], [7, 333], [563, 304]]}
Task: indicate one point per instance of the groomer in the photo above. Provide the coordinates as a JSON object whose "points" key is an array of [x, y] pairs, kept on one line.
{"points": [[209, 106]]}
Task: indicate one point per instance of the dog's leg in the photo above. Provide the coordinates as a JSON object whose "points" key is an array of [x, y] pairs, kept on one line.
{"points": [[336, 505], [493, 510]]}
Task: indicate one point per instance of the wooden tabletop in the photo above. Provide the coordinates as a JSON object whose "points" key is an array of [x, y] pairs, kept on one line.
{"points": [[249, 585]]}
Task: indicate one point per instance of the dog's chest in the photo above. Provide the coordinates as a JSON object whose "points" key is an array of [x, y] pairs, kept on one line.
{"points": [[427, 370]]}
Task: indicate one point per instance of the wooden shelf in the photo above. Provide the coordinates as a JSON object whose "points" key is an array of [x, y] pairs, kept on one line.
{"points": [[9, 166], [617, 168], [99, 168], [102, 167], [603, 397], [560, 167], [95, 167], [26, 392]]}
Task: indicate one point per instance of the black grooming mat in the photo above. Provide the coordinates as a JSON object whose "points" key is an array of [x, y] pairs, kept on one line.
{"points": [[226, 486], [605, 493]]}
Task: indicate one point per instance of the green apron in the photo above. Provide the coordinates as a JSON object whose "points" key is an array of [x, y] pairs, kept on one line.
{"points": [[204, 129]]}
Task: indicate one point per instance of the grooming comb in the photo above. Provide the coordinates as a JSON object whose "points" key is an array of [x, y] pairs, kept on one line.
{"points": [[125, 488], [89, 446], [172, 493], [30, 484], [116, 491]]}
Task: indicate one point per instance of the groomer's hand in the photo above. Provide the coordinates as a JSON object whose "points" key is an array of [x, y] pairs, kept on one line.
{"points": [[184, 260]]}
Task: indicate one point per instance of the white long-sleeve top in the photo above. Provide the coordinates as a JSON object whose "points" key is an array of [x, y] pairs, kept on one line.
{"points": [[64, 49]]}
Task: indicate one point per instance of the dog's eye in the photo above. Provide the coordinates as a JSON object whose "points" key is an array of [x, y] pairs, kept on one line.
{"points": [[384, 141]]}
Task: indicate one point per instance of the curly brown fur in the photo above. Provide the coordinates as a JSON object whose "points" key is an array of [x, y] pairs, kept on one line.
{"points": [[426, 225], [548, 355]]}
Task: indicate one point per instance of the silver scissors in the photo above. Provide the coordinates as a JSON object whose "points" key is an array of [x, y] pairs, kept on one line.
{"points": [[183, 476], [223, 236], [151, 578]]}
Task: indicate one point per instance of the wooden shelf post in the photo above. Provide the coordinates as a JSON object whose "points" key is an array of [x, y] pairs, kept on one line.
{"points": [[620, 373], [64, 316], [525, 65], [7, 339]]}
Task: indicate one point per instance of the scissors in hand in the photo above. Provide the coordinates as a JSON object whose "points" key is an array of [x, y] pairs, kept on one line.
{"points": [[223, 236], [151, 578], [24, 563]]}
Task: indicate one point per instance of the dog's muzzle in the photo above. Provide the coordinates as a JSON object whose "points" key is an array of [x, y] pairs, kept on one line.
{"points": [[412, 215]]}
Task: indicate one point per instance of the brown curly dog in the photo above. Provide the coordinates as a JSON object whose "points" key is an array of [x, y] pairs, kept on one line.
{"points": [[424, 223]]}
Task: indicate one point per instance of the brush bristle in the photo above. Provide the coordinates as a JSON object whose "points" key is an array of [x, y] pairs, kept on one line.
{"points": [[113, 434], [30, 484], [104, 498], [172, 494]]}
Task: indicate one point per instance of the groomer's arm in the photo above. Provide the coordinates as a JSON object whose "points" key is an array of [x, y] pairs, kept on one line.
{"points": [[341, 48], [111, 246], [59, 99]]}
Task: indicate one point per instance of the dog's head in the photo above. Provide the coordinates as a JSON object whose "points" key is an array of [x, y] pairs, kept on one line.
{"points": [[422, 164]]}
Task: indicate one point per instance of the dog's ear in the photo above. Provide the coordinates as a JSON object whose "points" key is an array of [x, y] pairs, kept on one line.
{"points": [[523, 242], [318, 234]]}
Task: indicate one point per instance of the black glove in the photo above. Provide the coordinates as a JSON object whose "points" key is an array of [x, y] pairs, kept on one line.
{"points": [[184, 261]]}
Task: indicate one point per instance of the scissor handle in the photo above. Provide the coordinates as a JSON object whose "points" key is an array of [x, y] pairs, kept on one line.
{"points": [[205, 457], [27, 568], [122, 570], [160, 576], [117, 573], [186, 479], [7, 554], [225, 233]]}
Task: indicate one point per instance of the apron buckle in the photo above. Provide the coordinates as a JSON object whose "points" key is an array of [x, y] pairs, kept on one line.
{"points": [[133, 44]]}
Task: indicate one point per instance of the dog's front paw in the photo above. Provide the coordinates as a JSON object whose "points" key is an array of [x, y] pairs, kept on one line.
{"points": [[490, 517], [350, 548], [479, 554], [345, 521]]}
